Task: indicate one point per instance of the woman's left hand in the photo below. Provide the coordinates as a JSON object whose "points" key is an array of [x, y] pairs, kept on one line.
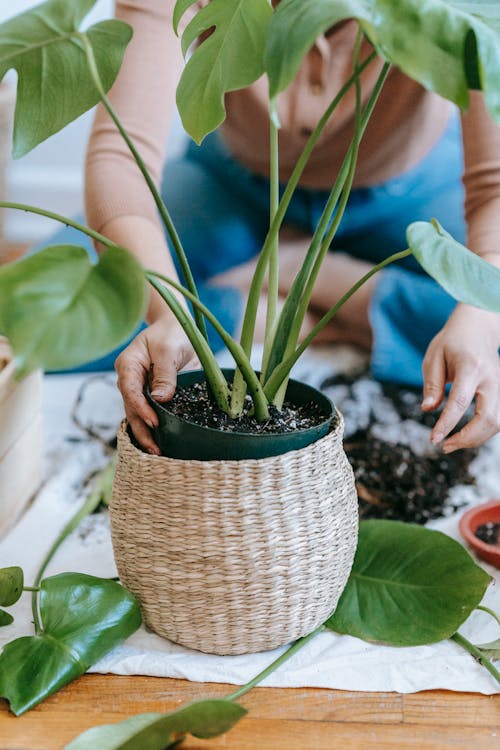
{"points": [[465, 354]]}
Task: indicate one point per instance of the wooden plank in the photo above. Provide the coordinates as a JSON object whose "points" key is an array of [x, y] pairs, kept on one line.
{"points": [[279, 719]]}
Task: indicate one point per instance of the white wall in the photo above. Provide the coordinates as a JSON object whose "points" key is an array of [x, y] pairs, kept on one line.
{"points": [[51, 175]]}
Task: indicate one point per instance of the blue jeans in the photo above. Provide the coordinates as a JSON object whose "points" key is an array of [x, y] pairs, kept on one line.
{"points": [[220, 210]]}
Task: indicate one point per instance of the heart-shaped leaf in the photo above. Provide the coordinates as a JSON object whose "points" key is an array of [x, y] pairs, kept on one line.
{"points": [[55, 86], [58, 309], [230, 57], [207, 718], [464, 275], [448, 46], [82, 618], [5, 618], [11, 585], [408, 586]]}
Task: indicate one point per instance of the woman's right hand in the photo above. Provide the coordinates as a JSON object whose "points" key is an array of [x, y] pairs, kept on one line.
{"points": [[155, 356]]}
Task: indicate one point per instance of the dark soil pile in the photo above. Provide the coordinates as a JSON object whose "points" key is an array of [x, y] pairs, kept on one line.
{"points": [[194, 404], [395, 481]]}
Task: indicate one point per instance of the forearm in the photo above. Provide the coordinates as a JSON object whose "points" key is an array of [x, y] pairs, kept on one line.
{"points": [[145, 239]]}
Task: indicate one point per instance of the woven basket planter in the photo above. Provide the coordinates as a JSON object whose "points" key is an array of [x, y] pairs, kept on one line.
{"points": [[232, 557]]}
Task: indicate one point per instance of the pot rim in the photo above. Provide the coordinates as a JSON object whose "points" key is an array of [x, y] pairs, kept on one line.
{"points": [[332, 417]]}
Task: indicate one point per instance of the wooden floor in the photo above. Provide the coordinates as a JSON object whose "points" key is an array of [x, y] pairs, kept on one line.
{"points": [[279, 719]]}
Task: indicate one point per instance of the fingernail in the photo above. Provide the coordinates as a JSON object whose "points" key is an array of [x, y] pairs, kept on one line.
{"points": [[437, 438], [154, 451], [150, 424], [448, 448], [159, 394], [428, 401]]}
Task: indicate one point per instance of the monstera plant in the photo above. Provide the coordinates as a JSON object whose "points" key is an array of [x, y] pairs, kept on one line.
{"points": [[59, 309]]}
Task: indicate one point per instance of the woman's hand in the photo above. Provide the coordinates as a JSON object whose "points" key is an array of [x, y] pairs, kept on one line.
{"points": [[155, 356], [465, 354]]}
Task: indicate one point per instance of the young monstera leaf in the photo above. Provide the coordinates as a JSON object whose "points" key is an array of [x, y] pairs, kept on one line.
{"points": [[409, 586], [204, 719], [59, 309], [82, 618], [449, 46], [11, 585], [464, 275], [45, 46], [230, 57]]}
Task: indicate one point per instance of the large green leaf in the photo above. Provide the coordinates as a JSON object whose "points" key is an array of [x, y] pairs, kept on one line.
{"points": [[45, 47], [448, 46], [230, 57], [11, 585], [408, 586], [204, 719], [82, 618], [59, 309], [464, 275]]}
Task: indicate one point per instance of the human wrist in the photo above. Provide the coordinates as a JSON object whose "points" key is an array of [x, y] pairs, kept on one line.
{"points": [[481, 321]]}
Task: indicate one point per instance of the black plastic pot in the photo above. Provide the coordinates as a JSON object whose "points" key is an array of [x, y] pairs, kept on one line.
{"points": [[178, 438]]}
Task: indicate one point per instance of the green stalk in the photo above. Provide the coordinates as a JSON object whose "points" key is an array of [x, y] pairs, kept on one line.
{"points": [[163, 211], [477, 654], [282, 371], [235, 349], [274, 198], [285, 342], [490, 612], [274, 665], [262, 263], [351, 163], [62, 220], [216, 379], [100, 481]]}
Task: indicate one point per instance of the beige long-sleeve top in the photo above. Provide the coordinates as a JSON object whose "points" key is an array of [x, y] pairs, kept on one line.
{"points": [[407, 122]]}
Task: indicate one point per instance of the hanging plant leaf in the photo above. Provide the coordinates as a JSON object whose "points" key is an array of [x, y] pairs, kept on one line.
{"points": [[448, 46], [230, 57], [464, 275], [45, 47], [82, 618], [408, 586], [58, 309], [491, 650], [11, 585], [5, 618], [204, 719]]}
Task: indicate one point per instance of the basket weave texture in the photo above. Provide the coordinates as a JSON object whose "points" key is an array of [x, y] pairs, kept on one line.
{"points": [[232, 557]]}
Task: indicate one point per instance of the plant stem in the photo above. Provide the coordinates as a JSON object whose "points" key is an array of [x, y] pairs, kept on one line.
{"points": [[62, 220], [274, 665], [217, 381], [162, 209], [31, 588], [490, 612], [283, 370], [248, 327], [273, 282], [477, 654], [235, 349], [87, 508], [291, 317]]}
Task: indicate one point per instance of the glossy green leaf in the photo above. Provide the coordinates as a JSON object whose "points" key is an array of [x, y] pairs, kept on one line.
{"points": [[59, 309], [5, 618], [82, 618], [446, 45], [11, 585], [464, 275], [207, 718], [45, 47], [229, 58], [491, 650], [408, 586]]}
